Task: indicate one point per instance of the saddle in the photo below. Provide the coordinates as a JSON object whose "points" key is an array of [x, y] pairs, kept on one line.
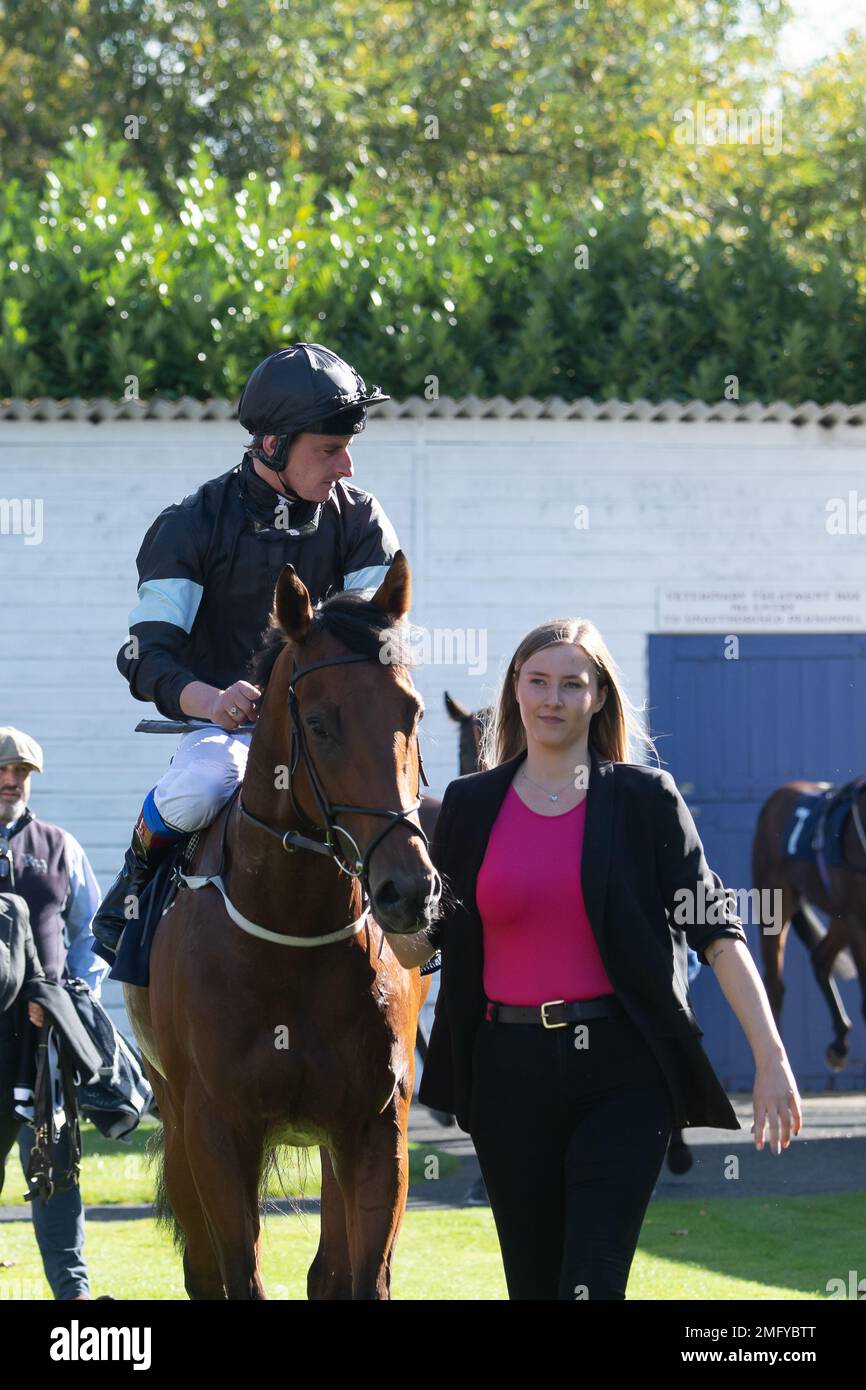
{"points": [[816, 826], [202, 852]]}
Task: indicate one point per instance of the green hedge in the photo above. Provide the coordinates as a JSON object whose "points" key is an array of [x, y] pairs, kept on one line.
{"points": [[100, 285]]}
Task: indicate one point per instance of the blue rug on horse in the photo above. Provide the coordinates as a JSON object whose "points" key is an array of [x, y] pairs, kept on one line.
{"points": [[132, 964], [800, 832]]}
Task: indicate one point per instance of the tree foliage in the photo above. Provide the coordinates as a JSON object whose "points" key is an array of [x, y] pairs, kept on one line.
{"points": [[100, 285], [465, 198]]}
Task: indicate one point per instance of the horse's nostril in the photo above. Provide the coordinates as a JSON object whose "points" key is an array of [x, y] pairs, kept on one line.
{"points": [[387, 895], [401, 906]]}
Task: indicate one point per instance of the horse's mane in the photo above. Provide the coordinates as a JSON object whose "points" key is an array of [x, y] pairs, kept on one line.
{"points": [[353, 620]]}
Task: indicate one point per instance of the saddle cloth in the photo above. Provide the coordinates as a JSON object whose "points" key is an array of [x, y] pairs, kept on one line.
{"points": [[200, 853], [814, 831]]}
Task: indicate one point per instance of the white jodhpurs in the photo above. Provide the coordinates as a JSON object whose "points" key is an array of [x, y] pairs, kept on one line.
{"points": [[207, 765]]}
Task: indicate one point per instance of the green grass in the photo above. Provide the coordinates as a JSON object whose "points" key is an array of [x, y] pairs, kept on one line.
{"points": [[114, 1172], [439, 1256], [787, 1247], [728, 1249]]}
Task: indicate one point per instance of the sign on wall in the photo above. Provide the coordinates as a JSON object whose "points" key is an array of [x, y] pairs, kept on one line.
{"points": [[761, 607]]}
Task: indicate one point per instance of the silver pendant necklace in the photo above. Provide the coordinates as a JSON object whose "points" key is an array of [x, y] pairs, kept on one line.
{"points": [[551, 796]]}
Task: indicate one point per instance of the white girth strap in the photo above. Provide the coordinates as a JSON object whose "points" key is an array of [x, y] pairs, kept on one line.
{"points": [[200, 881]]}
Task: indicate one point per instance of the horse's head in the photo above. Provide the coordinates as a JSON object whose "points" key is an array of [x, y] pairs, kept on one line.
{"points": [[353, 728]]}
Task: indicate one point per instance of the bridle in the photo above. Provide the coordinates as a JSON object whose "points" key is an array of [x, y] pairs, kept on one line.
{"points": [[292, 840]]}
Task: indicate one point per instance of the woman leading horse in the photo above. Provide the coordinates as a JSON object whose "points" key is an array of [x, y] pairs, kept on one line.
{"points": [[564, 1038]]}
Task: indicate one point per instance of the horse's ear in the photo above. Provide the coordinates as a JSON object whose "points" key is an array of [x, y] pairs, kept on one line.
{"points": [[455, 710], [394, 594], [293, 612]]}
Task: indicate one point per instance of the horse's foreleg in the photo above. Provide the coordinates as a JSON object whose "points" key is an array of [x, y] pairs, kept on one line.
{"points": [[225, 1167], [202, 1278], [823, 950], [773, 945], [330, 1274], [201, 1271], [857, 942], [375, 1188]]}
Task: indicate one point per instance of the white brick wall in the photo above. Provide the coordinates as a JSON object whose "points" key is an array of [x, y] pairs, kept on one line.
{"points": [[485, 513]]}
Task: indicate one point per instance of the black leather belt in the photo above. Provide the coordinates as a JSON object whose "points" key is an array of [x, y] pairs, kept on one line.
{"points": [[555, 1013]]}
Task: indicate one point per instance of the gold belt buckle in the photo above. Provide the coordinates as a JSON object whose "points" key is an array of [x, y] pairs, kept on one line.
{"points": [[544, 1015]]}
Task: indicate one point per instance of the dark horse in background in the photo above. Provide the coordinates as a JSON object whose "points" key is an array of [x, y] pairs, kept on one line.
{"points": [[471, 728], [469, 757], [276, 1012], [838, 889]]}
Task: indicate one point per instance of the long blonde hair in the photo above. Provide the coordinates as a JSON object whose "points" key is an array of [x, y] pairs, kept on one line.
{"points": [[614, 730]]}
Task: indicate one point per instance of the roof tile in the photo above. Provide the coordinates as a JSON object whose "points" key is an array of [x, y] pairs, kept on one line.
{"points": [[449, 407]]}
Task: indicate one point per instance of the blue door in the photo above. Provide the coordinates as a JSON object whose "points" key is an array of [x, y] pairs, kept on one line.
{"points": [[730, 732]]}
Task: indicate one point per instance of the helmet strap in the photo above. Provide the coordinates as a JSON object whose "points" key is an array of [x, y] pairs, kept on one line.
{"points": [[279, 458]]}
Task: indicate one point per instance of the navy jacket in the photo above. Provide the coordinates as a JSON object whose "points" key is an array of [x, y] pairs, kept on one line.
{"points": [[640, 846], [208, 567]]}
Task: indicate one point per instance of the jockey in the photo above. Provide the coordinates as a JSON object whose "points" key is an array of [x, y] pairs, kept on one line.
{"points": [[207, 570]]}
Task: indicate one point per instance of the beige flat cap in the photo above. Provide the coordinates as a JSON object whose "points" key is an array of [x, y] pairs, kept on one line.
{"points": [[16, 747]]}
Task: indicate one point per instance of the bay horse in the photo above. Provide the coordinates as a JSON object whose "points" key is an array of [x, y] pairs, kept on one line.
{"points": [[276, 1011], [802, 887]]}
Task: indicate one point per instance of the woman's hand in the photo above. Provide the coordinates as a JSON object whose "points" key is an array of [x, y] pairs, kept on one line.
{"points": [[36, 1014], [776, 1102], [776, 1099]]}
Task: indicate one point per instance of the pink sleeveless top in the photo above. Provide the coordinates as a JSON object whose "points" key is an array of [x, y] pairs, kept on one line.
{"points": [[538, 942]]}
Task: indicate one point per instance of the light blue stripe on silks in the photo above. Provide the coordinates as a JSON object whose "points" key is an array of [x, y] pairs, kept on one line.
{"points": [[370, 578], [172, 601]]}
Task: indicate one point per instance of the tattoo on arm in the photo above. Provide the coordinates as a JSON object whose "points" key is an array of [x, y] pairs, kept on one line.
{"points": [[714, 950]]}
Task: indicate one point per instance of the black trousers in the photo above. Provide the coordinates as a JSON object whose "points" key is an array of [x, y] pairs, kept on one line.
{"points": [[571, 1126]]}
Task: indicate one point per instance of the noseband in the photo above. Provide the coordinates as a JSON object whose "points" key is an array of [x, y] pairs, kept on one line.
{"points": [[358, 866]]}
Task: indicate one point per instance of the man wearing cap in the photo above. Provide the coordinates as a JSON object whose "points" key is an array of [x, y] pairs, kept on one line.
{"points": [[48, 868], [207, 570]]}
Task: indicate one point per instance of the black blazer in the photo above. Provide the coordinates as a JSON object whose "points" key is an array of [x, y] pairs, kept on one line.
{"points": [[640, 846]]}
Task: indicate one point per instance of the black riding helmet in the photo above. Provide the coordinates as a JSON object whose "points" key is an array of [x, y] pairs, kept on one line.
{"points": [[304, 388]]}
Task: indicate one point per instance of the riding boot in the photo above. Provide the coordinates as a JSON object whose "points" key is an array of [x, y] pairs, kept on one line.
{"points": [[146, 852]]}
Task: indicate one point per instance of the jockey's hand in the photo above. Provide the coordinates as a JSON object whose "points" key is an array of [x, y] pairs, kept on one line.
{"points": [[235, 705], [36, 1014]]}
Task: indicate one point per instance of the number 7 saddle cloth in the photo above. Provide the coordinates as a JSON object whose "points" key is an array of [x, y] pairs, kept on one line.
{"points": [[814, 831]]}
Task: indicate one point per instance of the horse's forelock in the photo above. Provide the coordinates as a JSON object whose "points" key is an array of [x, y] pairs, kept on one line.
{"points": [[348, 617]]}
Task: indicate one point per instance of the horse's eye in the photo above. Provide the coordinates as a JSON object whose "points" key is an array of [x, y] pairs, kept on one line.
{"points": [[317, 729]]}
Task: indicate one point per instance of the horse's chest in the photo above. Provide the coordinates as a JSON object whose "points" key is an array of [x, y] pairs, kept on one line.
{"points": [[314, 1062], [314, 1086]]}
